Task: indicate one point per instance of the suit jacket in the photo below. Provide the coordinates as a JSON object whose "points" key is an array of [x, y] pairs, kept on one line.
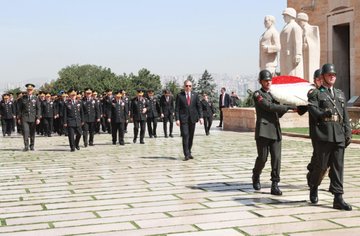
{"points": [[73, 114], [153, 108], [167, 107], [29, 108], [268, 112], [207, 108], [329, 131], [226, 101], [188, 113]]}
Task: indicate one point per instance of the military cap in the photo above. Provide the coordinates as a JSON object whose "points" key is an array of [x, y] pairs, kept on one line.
{"points": [[265, 75], [88, 90], [47, 95], [6, 96], [119, 94], [150, 91], [140, 92], [95, 93], [72, 91], [64, 94], [30, 86]]}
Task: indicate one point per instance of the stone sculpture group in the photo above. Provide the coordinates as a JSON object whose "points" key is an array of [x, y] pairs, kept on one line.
{"points": [[298, 45]]}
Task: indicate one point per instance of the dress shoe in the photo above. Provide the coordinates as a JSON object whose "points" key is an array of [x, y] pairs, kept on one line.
{"points": [[72, 150], [32, 148], [150, 136], [134, 140], [219, 126], [314, 194], [77, 147], [340, 204], [155, 136], [142, 142], [190, 157], [122, 143], [275, 189], [171, 136], [114, 143], [186, 158], [165, 136], [85, 144], [26, 149], [256, 182], [91, 144]]}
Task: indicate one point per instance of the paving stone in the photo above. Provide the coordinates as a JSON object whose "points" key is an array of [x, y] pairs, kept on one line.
{"points": [[149, 190]]}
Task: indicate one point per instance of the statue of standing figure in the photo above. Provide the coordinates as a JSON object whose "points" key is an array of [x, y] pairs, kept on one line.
{"points": [[291, 58], [311, 46], [269, 46]]}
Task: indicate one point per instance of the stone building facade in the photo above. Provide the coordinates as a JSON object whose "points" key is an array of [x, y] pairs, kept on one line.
{"points": [[339, 24]]}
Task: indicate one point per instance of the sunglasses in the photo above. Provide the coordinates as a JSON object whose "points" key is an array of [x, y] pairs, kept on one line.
{"points": [[188, 85]]}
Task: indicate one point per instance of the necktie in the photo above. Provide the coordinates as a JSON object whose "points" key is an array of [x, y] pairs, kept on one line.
{"points": [[188, 99], [331, 93]]}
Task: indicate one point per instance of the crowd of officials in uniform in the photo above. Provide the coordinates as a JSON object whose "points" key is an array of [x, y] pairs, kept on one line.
{"points": [[86, 113]]}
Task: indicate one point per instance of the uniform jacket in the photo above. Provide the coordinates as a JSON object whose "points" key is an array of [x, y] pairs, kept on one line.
{"points": [[166, 107], [268, 112], [119, 111], [188, 113], [7, 110], [153, 107], [48, 109], [137, 107], [73, 113], [29, 108], [207, 108], [91, 110], [329, 131], [226, 101]]}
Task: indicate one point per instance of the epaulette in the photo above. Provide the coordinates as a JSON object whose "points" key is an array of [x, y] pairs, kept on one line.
{"points": [[312, 93], [258, 96]]}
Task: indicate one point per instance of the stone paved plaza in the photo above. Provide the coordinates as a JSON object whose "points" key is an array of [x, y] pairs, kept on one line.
{"points": [[148, 190]]}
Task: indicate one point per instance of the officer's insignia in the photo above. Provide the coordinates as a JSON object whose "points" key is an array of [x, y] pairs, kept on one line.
{"points": [[93, 102], [69, 106], [258, 96]]}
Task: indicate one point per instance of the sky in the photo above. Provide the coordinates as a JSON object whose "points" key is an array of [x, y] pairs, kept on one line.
{"points": [[167, 37]]}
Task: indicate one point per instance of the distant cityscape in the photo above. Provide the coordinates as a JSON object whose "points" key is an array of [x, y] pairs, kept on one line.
{"points": [[237, 83]]}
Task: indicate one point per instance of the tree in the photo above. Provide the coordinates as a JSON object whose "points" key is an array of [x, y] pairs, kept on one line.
{"points": [[207, 85], [173, 86], [145, 80]]}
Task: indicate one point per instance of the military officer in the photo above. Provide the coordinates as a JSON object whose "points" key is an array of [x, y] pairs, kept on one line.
{"points": [[332, 134], [208, 112], [267, 132], [48, 113], [107, 101], [118, 117], [167, 110], [139, 107], [29, 116], [7, 114], [91, 117], [73, 120], [126, 99], [152, 113], [98, 103]]}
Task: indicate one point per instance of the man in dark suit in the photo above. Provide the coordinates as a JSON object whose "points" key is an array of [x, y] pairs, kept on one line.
{"points": [[152, 113], [73, 120], [208, 112], [188, 111], [332, 134], [267, 132], [7, 114], [224, 102], [167, 112], [48, 113], [28, 115]]}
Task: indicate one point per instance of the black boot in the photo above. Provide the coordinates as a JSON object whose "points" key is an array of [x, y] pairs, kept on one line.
{"points": [[340, 204], [314, 194], [256, 182], [275, 189]]}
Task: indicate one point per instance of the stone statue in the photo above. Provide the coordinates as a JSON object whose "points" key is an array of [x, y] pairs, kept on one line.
{"points": [[291, 58], [269, 46], [311, 46]]}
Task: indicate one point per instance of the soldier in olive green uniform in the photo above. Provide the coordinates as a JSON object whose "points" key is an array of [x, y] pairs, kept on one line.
{"points": [[332, 134], [267, 132], [29, 116]]}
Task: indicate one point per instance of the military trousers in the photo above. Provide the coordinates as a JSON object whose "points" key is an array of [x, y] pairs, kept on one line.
{"points": [[151, 125], [29, 129], [168, 119], [207, 124], [88, 133], [139, 124], [117, 132], [329, 154], [74, 135], [264, 147]]}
